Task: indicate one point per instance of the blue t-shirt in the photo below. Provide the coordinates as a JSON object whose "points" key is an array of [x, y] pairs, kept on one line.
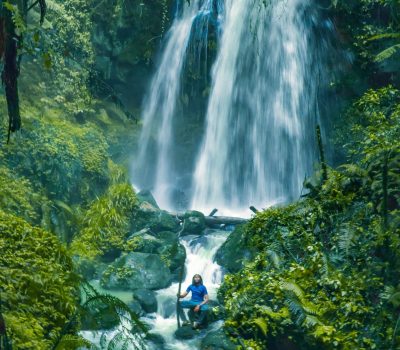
{"points": [[198, 292]]}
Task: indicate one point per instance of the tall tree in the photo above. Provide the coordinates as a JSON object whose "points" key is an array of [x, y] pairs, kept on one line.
{"points": [[13, 14]]}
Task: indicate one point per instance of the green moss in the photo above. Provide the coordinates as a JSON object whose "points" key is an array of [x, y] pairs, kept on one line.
{"points": [[17, 196], [38, 288], [107, 222]]}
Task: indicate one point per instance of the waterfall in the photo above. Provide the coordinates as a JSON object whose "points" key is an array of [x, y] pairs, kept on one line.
{"points": [[155, 164], [255, 141], [259, 139], [200, 252]]}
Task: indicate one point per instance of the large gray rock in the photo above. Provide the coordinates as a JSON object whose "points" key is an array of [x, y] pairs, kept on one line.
{"points": [[147, 299], [193, 223], [164, 221], [148, 216], [174, 255], [168, 237], [156, 341], [149, 244], [216, 311], [135, 306], [147, 196], [137, 270], [217, 340], [185, 332], [232, 254]]}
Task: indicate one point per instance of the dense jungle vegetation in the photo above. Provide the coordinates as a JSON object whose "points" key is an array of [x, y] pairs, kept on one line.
{"points": [[321, 272]]}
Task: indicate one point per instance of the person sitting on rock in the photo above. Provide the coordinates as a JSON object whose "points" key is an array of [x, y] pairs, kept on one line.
{"points": [[197, 303]]}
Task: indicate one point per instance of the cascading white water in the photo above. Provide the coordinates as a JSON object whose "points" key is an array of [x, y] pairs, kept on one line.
{"points": [[155, 166], [200, 252], [259, 139]]}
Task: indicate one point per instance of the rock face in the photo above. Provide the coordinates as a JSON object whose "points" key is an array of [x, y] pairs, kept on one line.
{"points": [[147, 299], [135, 306], [156, 340], [125, 39], [185, 332], [149, 216], [217, 340], [165, 244], [233, 252], [193, 223], [137, 270], [147, 196]]}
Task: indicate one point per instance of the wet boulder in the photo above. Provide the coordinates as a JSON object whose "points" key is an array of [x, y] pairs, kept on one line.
{"points": [[147, 299], [217, 340], [185, 332], [135, 306], [193, 223], [164, 221], [146, 243], [147, 196], [216, 311], [155, 341], [167, 307], [149, 216], [137, 270], [174, 255], [168, 237], [234, 252]]}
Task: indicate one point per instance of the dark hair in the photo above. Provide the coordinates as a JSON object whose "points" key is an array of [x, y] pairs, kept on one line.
{"points": [[201, 279]]}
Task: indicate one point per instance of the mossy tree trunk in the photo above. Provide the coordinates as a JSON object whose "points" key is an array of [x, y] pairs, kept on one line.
{"points": [[11, 68]]}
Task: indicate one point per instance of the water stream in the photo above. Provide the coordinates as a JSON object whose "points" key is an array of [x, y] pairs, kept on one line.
{"points": [[155, 166], [257, 132], [200, 252], [257, 141]]}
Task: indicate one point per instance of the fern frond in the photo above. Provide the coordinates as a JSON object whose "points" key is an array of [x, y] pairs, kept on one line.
{"points": [[294, 288], [346, 240], [387, 53], [261, 324], [385, 36], [311, 321], [69, 342], [274, 258]]}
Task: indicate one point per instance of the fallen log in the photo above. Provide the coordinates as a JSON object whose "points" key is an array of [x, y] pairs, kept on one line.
{"points": [[213, 221], [223, 220]]}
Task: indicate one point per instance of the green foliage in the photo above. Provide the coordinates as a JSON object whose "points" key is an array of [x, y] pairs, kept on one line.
{"points": [[37, 286], [95, 308], [17, 196], [57, 154], [106, 222], [326, 267]]}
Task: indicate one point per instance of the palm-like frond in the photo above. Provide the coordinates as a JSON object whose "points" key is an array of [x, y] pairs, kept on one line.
{"points": [[118, 306], [385, 36], [392, 295], [346, 240], [274, 258], [306, 313], [69, 342], [387, 53]]}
